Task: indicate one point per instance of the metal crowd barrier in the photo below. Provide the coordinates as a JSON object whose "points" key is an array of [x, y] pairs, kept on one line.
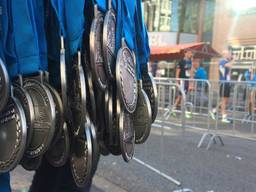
{"points": [[190, 122]]}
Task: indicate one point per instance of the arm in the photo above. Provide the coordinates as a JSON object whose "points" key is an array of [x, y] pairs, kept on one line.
{"points": [[229, 64]]}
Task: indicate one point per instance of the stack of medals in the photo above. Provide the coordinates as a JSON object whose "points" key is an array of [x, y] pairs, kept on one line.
{"points": [[98, 106]]}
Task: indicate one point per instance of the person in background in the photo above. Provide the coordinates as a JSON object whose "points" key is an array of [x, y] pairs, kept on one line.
{"points": [[183, 72], [154, 68], [250, 76], [225, 66], [197, 70]]}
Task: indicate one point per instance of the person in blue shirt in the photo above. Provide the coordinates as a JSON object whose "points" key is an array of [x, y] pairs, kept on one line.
{"points": [[225, 66], [250, 77], [199, 71]]}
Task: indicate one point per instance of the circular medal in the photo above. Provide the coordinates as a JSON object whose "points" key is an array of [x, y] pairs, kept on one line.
{"points": [[44, 124], [109, 42], [142, 118], [96, 52], [127, 138], [149, 86], [58, 113], [81, 157], [31, 164], [4, 85], [126, 79], [78, 95], [13, 135], [58, 154], [26, 102]]}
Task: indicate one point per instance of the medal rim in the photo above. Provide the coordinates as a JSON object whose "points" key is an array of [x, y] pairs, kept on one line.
{"points": [[89, 158], [155, 95], [147, 130], [64, 158], [123, 144], [63, 80], [31, 116], [99, 83], [109, 15]]}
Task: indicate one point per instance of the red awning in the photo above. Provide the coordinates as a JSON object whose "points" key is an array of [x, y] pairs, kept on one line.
{"points": [[172, 52]]}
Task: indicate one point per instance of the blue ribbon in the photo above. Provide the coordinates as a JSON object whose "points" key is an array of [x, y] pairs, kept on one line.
{"points": [[142, 43], [102, 5], [128, 22], [26, 22]]}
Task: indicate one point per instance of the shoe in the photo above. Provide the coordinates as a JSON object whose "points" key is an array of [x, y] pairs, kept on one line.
{"points": [[188, 115], [225, 120], [173, 114], [212, 115]]}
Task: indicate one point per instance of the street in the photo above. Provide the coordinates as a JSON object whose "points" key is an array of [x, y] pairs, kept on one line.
{"points": [[230, 168]]}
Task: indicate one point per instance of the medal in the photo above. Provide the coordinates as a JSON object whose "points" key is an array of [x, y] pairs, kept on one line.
{"points": [[44, 124], [127, 87], [58, 154], [81, 157], [127, 138], [149, 86], [142, 118], [78, 95], [13, 135], [58, 113], [26, 102], [4, 85], [31, 164], [109, 41], [96, 52]]}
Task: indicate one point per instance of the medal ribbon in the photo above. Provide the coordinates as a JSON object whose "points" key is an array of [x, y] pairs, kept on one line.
{"points": [[102, 5], [30, 47], [142, 43], [7, 52]]}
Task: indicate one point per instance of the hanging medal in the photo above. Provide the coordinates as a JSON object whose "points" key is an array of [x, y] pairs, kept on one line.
{"points": [[96, 51]]}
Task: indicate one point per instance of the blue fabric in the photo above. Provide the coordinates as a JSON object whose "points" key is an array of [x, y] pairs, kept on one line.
{"points": [[5, 182], [224, 71], [117, 6], [25, 37], [128, 22], [74, 19], [142, 42], [7, 37], [102, 5], [200, 73]]}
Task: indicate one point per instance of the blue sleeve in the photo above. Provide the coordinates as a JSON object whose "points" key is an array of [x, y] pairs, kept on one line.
{"points": [[222, 63], [247, 75]]}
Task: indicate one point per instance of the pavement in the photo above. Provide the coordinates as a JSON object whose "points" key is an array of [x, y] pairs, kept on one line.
{"points": [[169, 150]]}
